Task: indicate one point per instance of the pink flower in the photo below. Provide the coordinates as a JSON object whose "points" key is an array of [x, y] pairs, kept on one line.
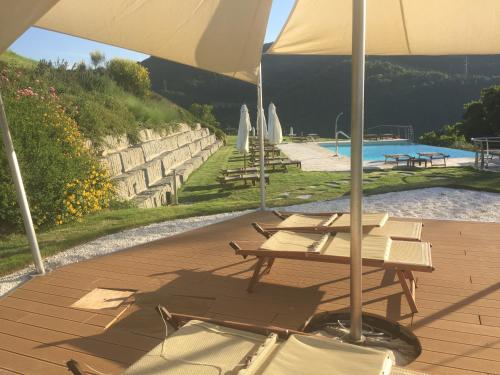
{"points": [[52, 91], [28, 91]]}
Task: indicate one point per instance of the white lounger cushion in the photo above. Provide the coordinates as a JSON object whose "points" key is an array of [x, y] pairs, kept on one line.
{"points": [[339, 244], [304, 220], [374, 224], [408, 230], [199, 348], [301, 355], [369, 220]]}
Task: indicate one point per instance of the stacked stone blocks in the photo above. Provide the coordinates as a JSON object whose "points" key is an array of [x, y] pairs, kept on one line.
{"points": [[143, 172]]}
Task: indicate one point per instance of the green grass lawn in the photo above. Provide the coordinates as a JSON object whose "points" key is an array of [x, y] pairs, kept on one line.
{"points": [[202, 195]]}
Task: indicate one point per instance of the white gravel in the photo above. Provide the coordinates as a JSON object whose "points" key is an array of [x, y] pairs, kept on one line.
{"points": [[115, 242], [431, 203]]}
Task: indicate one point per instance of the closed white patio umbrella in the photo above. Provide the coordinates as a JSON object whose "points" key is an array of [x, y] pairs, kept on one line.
{"points": [[244, 128], [383, 27], [275, 131], [264, 124]]}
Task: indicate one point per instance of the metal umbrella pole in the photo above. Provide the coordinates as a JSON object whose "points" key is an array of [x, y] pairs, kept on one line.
{"points": [[21, 194], [337, 134], [357, 123], [260, 126]]}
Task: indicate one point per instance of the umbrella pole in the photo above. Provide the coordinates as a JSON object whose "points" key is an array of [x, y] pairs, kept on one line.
{"points": [[357, 123], [261, 141], [21, 194]]}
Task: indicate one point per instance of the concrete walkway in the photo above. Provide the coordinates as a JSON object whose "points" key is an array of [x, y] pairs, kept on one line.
{"points": [[317, 158]]}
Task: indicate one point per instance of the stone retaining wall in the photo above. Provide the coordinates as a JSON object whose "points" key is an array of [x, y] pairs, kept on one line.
{"points": [[143, 172]]}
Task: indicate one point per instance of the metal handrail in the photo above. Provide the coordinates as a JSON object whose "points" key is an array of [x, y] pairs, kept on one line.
{"points": [[484, 151]]}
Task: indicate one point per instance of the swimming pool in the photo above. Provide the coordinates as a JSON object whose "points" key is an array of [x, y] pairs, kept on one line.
{"points": [[375, 151]]}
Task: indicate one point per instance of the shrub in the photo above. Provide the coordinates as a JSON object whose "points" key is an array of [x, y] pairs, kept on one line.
{"points": [[204, 114], [448, 136], [63, 180], [130, 76], [97, 58], [482, 117]]}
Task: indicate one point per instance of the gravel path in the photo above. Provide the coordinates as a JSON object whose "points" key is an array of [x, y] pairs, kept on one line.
{"points": [[431, 203]]}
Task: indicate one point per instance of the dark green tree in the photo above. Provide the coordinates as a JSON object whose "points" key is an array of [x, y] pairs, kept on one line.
{"points": [[204, 112], [482, 117]]}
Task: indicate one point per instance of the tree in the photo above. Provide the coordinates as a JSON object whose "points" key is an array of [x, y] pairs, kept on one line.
{"points": [[204, 112], [482, 117], [130, 76], [97, 58]]}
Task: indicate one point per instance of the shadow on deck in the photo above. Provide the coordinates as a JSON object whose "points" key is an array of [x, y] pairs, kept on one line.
{"points": [[197, 273]]}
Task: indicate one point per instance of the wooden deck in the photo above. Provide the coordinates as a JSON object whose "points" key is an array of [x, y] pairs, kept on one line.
{"points": [[197, 273]]}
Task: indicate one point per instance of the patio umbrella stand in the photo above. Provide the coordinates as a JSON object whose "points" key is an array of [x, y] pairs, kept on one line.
{"points": [[378, 333]]}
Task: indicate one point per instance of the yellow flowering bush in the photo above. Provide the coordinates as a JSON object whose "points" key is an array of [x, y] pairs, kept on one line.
{"points": [[63, 179], [82, 197]]}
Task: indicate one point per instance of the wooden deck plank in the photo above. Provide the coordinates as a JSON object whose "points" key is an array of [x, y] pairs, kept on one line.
{"points": [[115, 352], [54, 354], [23, 363], [196, 272]]}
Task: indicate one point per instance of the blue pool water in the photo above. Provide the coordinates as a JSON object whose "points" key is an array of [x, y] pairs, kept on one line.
{"points": [[376, 150]]}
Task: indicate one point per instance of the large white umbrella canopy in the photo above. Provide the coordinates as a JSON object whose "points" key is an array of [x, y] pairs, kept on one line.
{"points": [[383, 27], [244, 128], [222, 36], [393, 27], [275, 131]]}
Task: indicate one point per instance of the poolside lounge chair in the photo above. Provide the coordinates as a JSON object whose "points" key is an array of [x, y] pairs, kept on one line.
{"points": [[434, 156], [253, 178], [378, 251], [237, 171], [397, 158], [207, 346], [373, 224], [198, 345], [282, 163]]}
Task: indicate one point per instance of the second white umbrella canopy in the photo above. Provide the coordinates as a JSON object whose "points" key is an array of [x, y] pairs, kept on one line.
{"points": [[244, 128], [264, 124], [275, 133]]}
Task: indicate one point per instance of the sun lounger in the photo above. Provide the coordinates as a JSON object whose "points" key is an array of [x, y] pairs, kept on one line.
{"points": [[238, 171], [388, 136], [434, 156], [282, 163], [413, 161], [373, 224], [206, 346], [378, 251], [397, 158], [253, 178]]}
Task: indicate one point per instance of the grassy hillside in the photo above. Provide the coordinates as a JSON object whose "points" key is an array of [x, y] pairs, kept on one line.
{"points": [[97, 102], [309, 91], [13, 59], [53, 109]]}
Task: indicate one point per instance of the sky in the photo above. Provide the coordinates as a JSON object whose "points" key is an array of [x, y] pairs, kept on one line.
{"points": [[42, 44]]}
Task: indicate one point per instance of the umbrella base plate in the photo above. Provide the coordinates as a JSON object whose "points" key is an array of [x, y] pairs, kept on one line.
{"points": [[378, 333]]}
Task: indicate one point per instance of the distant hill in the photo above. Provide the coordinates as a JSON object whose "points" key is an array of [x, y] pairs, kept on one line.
{"points": [[309, 91]]}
